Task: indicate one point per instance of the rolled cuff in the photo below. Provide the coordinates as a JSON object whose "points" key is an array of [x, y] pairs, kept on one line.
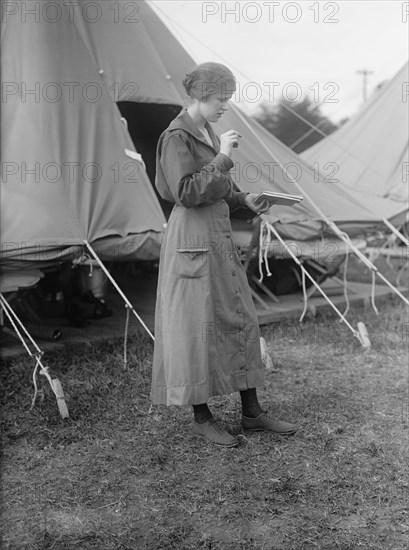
{"points": [[241, 198], [223, 162]]}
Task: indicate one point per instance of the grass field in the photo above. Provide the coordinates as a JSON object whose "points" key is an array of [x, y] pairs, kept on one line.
{"points": [[120, 474]]}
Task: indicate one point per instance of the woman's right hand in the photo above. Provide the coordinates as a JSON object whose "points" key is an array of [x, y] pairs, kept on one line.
{"points": [[228, 140]]}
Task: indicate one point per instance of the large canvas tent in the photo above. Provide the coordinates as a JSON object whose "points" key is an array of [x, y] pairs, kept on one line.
{"points": [[72, 179], [70, 171], [371, 150], [262, 162], [66, 173]]}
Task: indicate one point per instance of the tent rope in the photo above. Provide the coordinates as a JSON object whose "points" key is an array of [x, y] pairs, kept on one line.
{"points": [[20, 329], [260, 254], [265, 240], [297, 261], [114, 283], [264, 245], [35, 383], [346, 281], [126, 335], [304, 291], [366, 261], [373, 293], [400, 274], [329, 223]]}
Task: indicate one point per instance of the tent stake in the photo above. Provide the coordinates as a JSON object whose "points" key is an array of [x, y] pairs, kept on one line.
{"points": [[54, 382], [125, 299]]}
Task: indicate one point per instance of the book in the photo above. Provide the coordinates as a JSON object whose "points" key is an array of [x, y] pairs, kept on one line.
{"points": [[278, 198]]}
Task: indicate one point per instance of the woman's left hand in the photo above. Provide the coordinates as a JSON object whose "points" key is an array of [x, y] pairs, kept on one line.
{"points": [[259, 208]]}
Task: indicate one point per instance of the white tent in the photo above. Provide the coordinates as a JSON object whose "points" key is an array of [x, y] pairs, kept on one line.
{"points": [[147, 65], [70, 171], [371, 150]]}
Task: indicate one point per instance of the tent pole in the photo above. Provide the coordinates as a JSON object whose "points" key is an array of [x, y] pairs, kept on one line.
{"points": [[367, 262], [396, 231], [297, 261], [330, 223], [125, 299], [54, 383]]}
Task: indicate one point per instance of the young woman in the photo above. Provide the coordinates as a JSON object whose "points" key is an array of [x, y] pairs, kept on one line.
{"points": [[207, 338]]}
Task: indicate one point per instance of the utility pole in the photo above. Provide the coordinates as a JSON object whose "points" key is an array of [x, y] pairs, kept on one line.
{"points": [[365, 74]]}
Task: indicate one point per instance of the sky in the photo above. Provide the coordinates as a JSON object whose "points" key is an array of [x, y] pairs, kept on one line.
{"points": [[290, 49]]}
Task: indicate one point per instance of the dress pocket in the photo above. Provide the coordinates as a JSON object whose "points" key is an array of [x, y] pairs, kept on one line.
{"points": [[193, 261]]}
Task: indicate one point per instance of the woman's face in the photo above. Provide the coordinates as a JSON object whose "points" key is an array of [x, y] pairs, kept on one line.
{"points": [[215, 106]]}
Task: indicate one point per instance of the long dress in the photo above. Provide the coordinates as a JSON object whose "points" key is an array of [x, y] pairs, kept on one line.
{"points": [[207, 339]]}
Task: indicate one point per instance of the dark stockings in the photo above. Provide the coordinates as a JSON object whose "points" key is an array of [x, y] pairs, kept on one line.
{"points": [[249, 403], [202, 413]]}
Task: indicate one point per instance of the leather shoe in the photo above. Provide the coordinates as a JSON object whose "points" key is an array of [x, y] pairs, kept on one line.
{"points": [[262, 422], [212, 431]]}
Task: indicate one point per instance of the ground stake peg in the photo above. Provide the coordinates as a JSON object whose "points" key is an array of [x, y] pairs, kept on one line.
{"points": [[363, 335], [59, 393]]}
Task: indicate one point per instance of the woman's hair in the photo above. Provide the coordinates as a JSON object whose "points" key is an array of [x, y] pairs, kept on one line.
{"points": [[208, 79]]}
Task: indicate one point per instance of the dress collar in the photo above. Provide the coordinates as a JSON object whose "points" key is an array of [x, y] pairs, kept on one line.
{"points": [[185, 122]]}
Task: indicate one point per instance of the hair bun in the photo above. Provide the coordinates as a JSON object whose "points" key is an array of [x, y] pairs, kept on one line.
{"points": [[187, 83], [208, 79]]}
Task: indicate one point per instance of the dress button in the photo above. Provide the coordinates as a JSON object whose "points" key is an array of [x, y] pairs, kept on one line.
{"points": [[239, 311], [237, 293], [231, 256], [242, 349], [228, 236], [233, 273]]}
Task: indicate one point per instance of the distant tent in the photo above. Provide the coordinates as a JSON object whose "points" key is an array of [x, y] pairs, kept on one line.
{"points": [[70, 171], [371, 149], [263, 162]]}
